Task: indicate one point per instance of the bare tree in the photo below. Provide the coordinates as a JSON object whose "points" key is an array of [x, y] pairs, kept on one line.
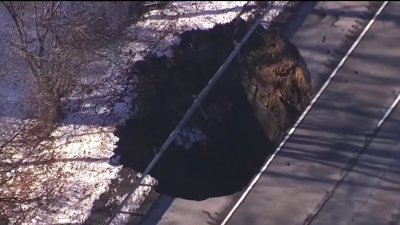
{"points": [[58, 40]]}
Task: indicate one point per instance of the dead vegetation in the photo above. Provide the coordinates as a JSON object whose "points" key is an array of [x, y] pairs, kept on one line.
{"points": [[23, 188], [58, 40]]}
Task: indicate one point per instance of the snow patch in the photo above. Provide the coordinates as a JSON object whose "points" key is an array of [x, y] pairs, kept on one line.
{"points": [[84, 143], [187, 137], [115, 160]]}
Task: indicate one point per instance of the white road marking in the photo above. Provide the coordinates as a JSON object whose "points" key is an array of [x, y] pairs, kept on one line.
{"points": [[328, 196], [389, 111], [333, 74]]}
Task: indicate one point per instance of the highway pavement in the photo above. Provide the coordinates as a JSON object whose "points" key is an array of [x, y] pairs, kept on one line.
{"points": [[334, 169]]}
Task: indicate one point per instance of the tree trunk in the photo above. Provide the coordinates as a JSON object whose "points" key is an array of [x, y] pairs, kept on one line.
{"points": [[50, 105]]}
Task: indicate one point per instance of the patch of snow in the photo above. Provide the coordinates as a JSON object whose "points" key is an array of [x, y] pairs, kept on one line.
{"points": [[187, 137], [160, 28], [83, 165], [84, 172], [134, 202], [115, 160]]}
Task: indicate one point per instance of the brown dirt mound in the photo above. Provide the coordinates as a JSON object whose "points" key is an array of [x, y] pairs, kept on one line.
{"points": [[259, 96], [276, 76]]}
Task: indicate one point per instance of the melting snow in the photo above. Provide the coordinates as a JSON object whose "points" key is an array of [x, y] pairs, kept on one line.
{"points": [[84, 142], [187, 137]]}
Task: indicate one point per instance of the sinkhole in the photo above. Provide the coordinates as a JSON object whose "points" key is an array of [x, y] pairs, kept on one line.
{"points": [[240, 122]]}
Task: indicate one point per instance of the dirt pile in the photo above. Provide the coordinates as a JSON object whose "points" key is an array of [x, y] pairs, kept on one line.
{"points": [[277, 82], [259, 96]]}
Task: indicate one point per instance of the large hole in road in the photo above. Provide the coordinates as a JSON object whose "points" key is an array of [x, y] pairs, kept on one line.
{"points": [[224, 144]]}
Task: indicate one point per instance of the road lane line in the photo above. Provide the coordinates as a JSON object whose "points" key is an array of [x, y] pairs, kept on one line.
{"points": [[349, 168]]}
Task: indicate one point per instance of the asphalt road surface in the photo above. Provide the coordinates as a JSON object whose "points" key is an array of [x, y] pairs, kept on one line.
{"points": [[332, 145]]}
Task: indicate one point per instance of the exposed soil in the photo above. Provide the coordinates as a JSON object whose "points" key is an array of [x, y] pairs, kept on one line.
{"points": [[260, 95]]}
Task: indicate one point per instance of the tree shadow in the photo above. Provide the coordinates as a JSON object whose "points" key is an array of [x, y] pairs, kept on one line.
{"points": [[205, 12]]}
